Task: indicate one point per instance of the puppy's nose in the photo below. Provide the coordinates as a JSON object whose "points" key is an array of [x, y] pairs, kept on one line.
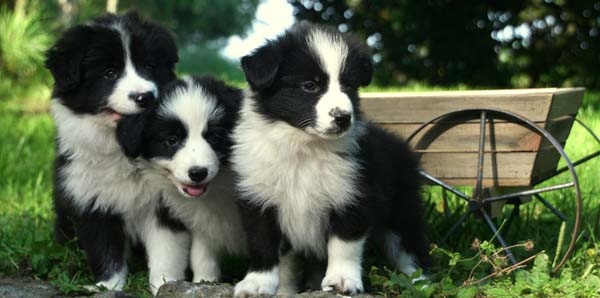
{"points": [[341, 118], [143, 99], [197, 174]]}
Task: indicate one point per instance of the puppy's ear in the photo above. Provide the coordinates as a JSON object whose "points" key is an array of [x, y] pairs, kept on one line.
{"points": [[65, 57], [261, 66], [130, 133]]}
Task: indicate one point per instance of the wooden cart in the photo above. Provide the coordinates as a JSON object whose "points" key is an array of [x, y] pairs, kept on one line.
{"points": [[491, 148]]}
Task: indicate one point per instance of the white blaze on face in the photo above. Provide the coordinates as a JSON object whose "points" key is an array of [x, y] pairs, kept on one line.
{"points": [[130, 82], [194, 108], [331, 51]]}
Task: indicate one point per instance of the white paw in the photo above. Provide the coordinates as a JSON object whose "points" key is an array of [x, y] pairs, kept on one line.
{"points": [[106, 286], [205, 278], [157, 282], [343, 283], [116, 282], [257, 283]]}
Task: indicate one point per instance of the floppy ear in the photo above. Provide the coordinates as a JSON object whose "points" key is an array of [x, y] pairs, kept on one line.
{"points": [[130, 133], [261, 66], [65, 57]]}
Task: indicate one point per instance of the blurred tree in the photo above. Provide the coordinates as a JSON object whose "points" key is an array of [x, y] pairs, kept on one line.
{"points": [[200, 20], [490, 43], [559, 43]]}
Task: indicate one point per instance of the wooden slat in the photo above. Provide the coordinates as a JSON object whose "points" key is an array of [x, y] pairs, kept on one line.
{"points": [[513, 165], [419, 107], [566, 102], [449, 151], [487, 182], [465, 137]]}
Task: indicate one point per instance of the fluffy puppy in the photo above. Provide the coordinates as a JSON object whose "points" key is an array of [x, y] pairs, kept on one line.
{"points": [[183, 145], [315, 178], [110, 67]]}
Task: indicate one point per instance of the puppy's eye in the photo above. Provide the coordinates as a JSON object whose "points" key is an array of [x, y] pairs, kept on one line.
{"points": [[310, 86], [149, 67], [172, 141], [111, 74]]}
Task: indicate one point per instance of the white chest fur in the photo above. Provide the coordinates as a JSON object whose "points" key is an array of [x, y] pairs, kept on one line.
{"points": [[97, 172], [214, 217], [303, 178]]}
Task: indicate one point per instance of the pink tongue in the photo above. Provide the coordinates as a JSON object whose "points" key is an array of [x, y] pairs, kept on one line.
{"points": [[194, 191], [116, 116]]}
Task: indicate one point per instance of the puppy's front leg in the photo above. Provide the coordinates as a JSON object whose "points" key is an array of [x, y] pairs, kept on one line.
{"points": [[102, 238], [205, 263], [344, 266], [263, 238], [168, 254]]}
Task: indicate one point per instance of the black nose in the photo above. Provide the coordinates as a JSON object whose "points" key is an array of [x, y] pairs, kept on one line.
{"points": [[197, 174], [341, 118], [143, 99]]}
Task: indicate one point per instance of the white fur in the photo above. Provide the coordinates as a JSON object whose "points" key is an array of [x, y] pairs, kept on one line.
{"points": [[213, 218], [195, 152], [99, 177], [344, 265], [168, 253], [256, 283], [130, 81], [301, 175], [332, 52], [115, 282], [403, 261]]}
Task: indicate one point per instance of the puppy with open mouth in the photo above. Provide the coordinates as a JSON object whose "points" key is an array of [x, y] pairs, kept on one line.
{"points": [[183, 145], [112, 66]]}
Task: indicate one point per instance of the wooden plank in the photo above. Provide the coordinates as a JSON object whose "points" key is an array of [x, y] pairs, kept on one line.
{"points": [[559, 128], [419, 107], [545, 164], [513, 165], [486, 182], [451, 137], [566, 101]]}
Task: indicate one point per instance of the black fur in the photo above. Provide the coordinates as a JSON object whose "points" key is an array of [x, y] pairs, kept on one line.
{"points": [[146, 134], [78, 63], [80, 58], [388, 192]]}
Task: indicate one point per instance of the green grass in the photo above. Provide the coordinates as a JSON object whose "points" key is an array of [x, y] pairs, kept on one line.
{"points": [[27, 247]]}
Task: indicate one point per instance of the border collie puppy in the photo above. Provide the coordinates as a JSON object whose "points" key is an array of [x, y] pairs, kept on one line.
{"points": [[184, 144], [107, 68], [315, 178]]}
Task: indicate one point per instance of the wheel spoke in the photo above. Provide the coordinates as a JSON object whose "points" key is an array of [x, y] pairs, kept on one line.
{"points": [[528, 192], [492, 226], [444, 185], [445, 203], [513, 214], [455, 226], [480, 156], [552, 208]]}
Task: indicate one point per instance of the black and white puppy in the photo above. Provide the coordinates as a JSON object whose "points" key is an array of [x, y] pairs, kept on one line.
{"points": [[183, 145], [315, 178], [107, 68]]}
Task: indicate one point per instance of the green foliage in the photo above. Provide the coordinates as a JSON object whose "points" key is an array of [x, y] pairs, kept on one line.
{"points": [[442, 42], [23, 40], [206, 59], [200, 19]]}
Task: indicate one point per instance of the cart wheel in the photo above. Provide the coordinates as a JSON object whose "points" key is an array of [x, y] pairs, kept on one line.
{"points": [[544, 208]]}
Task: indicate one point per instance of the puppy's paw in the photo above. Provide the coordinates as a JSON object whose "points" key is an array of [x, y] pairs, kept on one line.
{"points": [[156, 282], [205, 278], [257, 283], [343, 283]]}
